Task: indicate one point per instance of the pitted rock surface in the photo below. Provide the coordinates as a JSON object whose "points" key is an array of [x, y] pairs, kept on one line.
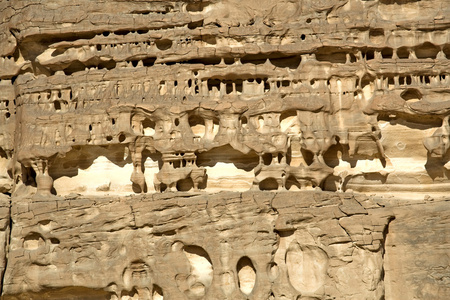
{"points": [[224, 149]]}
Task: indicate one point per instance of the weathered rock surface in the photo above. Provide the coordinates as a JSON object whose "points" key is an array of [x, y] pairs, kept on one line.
{"points": [[417, 252], [221, 246], [103, 105], [252, 245]]}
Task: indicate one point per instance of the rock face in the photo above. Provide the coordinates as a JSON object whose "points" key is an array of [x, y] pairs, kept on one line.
{"points": [[223, 246], [312, 105]]}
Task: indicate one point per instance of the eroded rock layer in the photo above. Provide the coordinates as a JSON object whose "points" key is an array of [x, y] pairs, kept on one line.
{"points": [[106, 104], [224, 246]]}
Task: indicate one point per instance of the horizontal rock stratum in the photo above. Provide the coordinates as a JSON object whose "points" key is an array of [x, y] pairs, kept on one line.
{"points": [[225, 149]]}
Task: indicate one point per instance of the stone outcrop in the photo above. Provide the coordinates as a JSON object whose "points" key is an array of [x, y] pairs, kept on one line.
{"points": [[224, 149], [224, 246]]}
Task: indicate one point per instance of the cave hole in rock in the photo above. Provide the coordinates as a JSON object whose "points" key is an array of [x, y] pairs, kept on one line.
{"points": [[45, 224], [426, 50], [267, 158], [137, 275], [55, 241], [425, 79], [277, 59], [57, 105], [196, 6], [287, 83], [148, 126], [213, 85], [404, 80], [210, 40], [246, 275], [261, 123], [352, 58], [387, 53], [157, 293], [367, 86], [289, 122], [133, 294], [411, 94], [291, 62], [212, 60], [446, 51], [228, 87], [331, 54], [201, 269], [228, 60], [149, 61], [28, 176], [391, 82], [162, 87], [369, 54], [292, 183], [121, 32], [193, 25], [403, 53], [255, 59], [266, 85], [331, 156], [163, 44], [75, 66], [197, 124], [229, 155], [308, 156], [244, 122], [33, 240], [58, 51], [155, 157], [184, 185], [108, 65], [376, 35], [268, 184], [83, 157]]}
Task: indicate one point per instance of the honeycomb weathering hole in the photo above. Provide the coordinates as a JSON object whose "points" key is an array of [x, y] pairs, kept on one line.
{"points": [[157, 293], [411, 94], [246, 275], [33, 241], [201, 269]]}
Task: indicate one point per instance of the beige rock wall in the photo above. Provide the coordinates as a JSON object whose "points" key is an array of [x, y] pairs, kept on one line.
{"points": [[221, 246], [417, 252], [224, 149]]}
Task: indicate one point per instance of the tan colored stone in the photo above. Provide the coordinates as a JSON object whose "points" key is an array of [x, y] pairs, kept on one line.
{"points": [[132, 131]]}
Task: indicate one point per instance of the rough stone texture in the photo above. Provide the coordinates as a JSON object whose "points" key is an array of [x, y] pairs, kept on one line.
{"points": [[417, 252], [105, 104], [224, 246]]}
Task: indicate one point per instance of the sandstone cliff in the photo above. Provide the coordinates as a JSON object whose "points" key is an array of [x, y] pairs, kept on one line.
{"points": [[224, 149]]}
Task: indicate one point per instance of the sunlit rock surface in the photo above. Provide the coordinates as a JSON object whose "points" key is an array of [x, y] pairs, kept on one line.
{"points": [[224, 149]]}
